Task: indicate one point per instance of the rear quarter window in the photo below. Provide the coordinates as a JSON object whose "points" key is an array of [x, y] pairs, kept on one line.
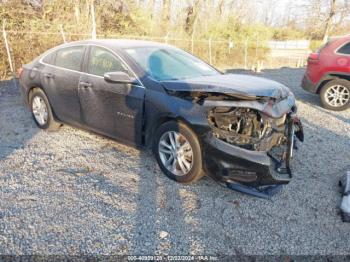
{"points": [[50, 58], [345, 49]]}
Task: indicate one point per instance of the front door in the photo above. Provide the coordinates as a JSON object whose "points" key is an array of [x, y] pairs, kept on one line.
{"points": [[110, 108]]}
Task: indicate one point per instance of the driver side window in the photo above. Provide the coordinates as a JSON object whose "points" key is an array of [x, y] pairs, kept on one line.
{"points": [[102, 61]]}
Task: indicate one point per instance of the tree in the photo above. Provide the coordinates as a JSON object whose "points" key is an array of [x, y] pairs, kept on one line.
{"points": [[36, 4], [166, 11], [192, 12], [329, 20], [150, 7]]}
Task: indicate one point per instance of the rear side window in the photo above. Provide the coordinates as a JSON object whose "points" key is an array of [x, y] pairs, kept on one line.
{"points": [[102, 61], [345, 49], [70, 57], [50, 58]]}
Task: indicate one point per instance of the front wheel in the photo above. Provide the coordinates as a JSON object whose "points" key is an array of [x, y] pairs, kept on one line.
{"points": [[335, 95], [178, 152]]}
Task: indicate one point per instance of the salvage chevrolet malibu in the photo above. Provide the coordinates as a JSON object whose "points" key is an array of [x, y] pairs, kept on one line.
{"points": [[196, 119]]}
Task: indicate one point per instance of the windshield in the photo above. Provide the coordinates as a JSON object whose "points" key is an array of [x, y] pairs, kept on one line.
{"points": [[169, 63]]}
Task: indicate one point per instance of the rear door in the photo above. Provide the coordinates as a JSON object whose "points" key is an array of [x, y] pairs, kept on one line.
{"points": [[61, 79], [112, 109]]}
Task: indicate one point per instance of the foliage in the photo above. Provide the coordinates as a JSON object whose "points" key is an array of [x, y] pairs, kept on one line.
{"points": [[34, 26], [287, 33], [315, 45]]}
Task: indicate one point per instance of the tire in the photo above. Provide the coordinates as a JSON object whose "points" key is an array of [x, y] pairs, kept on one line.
{"points": [[195, 172], [48, 123], [342, 85]]}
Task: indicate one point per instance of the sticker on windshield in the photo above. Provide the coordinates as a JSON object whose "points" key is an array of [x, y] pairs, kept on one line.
{"points": [[203, 66], [131, 51]]}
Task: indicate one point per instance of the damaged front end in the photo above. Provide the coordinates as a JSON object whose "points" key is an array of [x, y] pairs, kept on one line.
{"points": [[252, 141], [249, 130]]}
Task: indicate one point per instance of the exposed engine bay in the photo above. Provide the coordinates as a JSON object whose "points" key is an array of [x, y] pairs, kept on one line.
{"points": [[247, 128]]}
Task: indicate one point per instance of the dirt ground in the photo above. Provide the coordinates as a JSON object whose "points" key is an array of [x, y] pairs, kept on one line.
{"points": [[74, 192]]}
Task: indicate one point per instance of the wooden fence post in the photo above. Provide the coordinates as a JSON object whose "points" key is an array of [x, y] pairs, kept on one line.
{"points": [[192, 43], [229, 45], [93, 32], [166, 38], [210, 56], [256, 47], [246, 53], [8, 52], [7, 46], [62, 33]]}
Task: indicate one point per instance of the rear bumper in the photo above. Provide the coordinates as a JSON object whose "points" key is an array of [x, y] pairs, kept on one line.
{"points": [[24, 92], [308, 85]]}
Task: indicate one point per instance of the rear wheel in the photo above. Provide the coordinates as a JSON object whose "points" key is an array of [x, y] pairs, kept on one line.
{"points": [[178, 152], [41, 110], [335, 95]]}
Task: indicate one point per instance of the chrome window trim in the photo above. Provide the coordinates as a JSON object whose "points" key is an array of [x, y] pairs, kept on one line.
{"points": [[80, 72], [336, 51]]}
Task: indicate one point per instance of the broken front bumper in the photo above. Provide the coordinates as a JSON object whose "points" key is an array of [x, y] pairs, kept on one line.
{"points": [[227, 162]]}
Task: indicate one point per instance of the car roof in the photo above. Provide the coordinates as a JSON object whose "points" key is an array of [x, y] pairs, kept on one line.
{"points": [[118, 43]]}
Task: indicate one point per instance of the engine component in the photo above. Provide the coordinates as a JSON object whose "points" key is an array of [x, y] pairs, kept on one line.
{"points": [[247, 128]]}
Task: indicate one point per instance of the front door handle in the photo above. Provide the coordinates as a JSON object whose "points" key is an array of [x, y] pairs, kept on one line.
{"points": [[85, 84], [48, 75]]}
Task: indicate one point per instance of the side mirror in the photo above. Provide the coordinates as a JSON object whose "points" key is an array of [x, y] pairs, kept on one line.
{"points": [[117, 77]]}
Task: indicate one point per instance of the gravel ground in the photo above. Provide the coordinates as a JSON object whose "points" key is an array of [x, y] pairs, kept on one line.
{"points": [[74, 192]]}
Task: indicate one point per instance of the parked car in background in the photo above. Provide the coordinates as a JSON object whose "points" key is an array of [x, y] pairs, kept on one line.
{"points": [[328, 74], [197, 120]]}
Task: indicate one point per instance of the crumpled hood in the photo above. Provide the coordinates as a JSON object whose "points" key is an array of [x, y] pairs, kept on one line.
{"points": [[242, 85]]}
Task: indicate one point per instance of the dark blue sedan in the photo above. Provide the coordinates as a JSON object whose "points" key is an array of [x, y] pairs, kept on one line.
{"points": [[197, 120]]}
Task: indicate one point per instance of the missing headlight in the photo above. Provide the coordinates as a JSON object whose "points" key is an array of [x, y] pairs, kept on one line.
{"points": [[247, 128]]}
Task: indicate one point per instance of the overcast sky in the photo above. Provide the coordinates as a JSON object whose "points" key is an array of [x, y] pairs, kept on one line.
{"points": [[278, 11], [271, 12]]}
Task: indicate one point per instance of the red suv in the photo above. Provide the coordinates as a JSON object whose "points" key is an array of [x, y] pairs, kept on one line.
{"points": [[328, 74]]}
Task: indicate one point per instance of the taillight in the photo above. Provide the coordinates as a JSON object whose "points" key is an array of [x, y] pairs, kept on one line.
{"points": [[313, 57], [19, 72]]}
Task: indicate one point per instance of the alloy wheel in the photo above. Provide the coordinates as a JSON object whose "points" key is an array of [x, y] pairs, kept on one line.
{"points": [[337, 95], [40, 111], [176, 153]]}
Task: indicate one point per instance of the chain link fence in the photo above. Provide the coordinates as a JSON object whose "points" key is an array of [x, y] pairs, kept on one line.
{"points": [[224, 54]]}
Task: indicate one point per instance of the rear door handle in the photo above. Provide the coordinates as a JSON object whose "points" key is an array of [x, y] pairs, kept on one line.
{"points": [[85, 84], [48, 75]]}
